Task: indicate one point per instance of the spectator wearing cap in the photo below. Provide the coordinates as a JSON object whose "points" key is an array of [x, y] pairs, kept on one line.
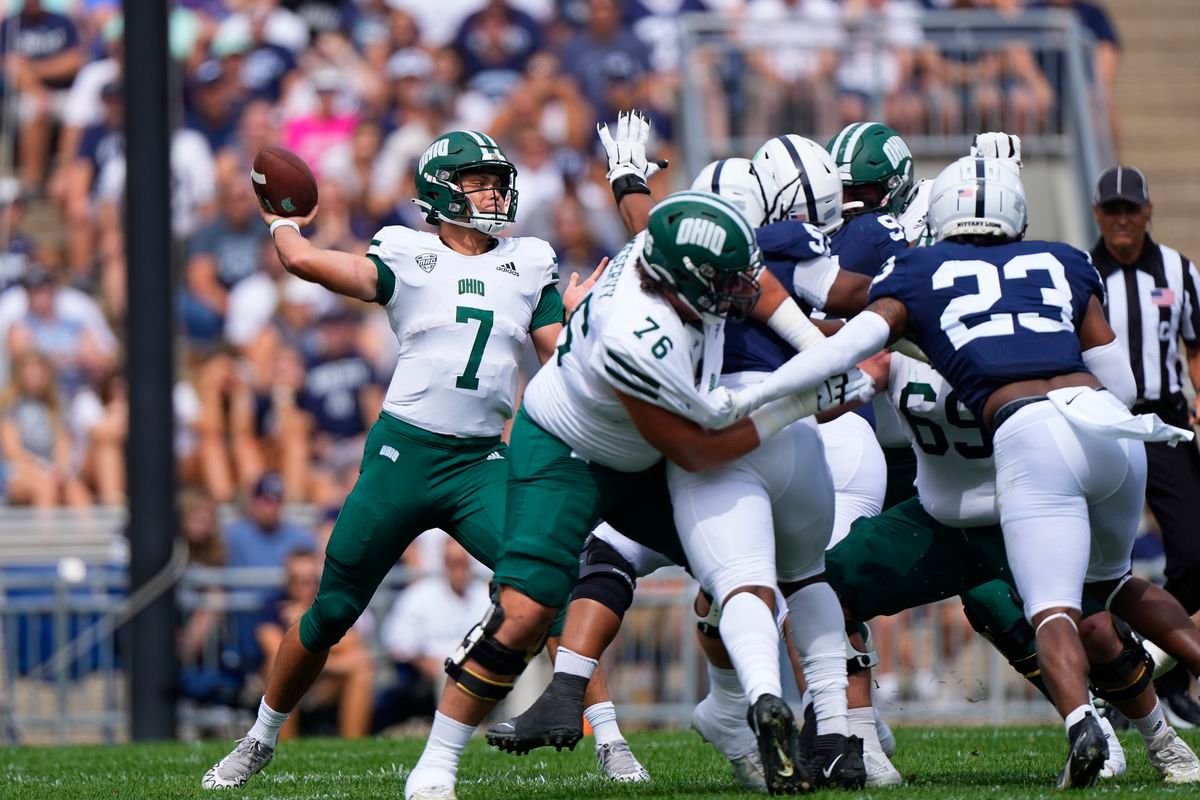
{"points": [[98, 146], [1152, 305], [213, 109], [312, 135], [495, 42], [42, 55], [341, 397], [17, 250], [222, 255], [605, 47], [64, 339], [263, 538]]}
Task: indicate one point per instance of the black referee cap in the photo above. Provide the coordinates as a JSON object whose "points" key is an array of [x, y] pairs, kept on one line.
{"points": [[1122, 183]]}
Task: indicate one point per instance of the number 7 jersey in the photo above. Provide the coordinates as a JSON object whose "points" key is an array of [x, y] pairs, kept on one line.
{"points": [[988, 316], [462, 323]]}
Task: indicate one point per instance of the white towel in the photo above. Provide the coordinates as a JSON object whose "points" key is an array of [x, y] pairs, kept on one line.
{"points": [[1102, 414]]}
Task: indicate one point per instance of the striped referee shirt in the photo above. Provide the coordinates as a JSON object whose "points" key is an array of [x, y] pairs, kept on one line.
{"points": [[1151, 305]]}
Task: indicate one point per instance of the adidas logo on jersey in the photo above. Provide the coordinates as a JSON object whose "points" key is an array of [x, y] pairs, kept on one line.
{"points": [[510, 268], [389, 452], [496, 456]]}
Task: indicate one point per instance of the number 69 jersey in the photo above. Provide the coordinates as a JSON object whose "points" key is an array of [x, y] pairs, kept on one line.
{"points": [[623, 339], [956, 474], [462, 323], [992, 315]]}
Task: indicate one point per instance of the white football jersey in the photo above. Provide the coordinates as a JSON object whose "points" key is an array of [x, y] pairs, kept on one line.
{"points": [[462, 323], [956, 474], [621, 339]]}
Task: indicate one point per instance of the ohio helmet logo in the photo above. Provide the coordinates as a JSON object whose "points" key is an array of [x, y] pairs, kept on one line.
{"points": [[702, 233], [427, 261], [896, 150]]}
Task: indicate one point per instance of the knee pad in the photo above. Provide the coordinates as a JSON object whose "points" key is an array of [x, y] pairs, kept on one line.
{"points": [[707, 625], [606, 577], [327, 620], [1127, 675], [859, 660], [481, 646], [1017, 642]]}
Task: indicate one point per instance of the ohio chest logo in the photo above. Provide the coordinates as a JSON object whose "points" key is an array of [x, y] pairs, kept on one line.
{"points": [[427, 261]]}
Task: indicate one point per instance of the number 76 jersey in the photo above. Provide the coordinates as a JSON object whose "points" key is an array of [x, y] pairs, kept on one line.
{"points": [[462, 323], [992, 315]]}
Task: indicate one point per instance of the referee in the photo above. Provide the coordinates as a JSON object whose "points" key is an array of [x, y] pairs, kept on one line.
{"points": [[1152, 305]]}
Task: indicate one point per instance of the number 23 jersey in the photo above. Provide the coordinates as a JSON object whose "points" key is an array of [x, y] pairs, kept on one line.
{"points": [[988, 316], [462, 323]]}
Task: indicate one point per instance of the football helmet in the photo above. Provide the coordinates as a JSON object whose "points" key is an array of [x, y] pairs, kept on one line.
{"points": [[439, 182], [805, 179], [703, 248], [978, 197], [737, 180], [876, 167]]}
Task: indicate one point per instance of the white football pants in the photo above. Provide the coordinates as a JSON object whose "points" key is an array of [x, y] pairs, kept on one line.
{"points": [[858, 468], [1070, 503]]}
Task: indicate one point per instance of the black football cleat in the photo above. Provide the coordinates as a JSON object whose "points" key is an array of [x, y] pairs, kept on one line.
{"points": [[554, 720], [1086, 756], [838, 761], [784, 766]]}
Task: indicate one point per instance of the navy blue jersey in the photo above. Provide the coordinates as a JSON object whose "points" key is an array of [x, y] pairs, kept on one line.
{"points": [[866, 241], [991, 316], [751, 346]]}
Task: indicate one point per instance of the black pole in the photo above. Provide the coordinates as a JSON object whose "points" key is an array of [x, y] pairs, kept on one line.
{"points": [[150, 460]]}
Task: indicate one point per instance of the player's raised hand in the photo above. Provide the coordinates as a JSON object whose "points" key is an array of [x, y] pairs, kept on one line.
{"points": [[575, 292], [626, 150], [998, 144]]}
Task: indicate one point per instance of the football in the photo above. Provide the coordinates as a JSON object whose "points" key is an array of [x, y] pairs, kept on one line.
{"points": [[283, 182]]}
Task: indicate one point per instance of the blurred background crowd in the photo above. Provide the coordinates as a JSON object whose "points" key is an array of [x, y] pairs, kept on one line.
{"points": [[278, 379]]}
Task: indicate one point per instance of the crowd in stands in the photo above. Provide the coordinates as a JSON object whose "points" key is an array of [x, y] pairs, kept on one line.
{"points": [[278, 379]]}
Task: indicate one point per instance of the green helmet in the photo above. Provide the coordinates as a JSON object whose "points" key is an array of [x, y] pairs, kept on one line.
{"points": [[702, 247], [439, 190], [876, 168]]}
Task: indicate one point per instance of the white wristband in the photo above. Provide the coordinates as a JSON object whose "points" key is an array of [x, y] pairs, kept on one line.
{"points": [[773, 417], [790, 322], [281, 223]]}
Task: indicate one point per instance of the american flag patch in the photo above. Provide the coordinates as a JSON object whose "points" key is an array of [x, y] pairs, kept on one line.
{"points": [[1162, 297], [967, 192]]}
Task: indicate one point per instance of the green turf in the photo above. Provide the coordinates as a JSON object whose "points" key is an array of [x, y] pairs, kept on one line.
{"points": [[937, 763]]}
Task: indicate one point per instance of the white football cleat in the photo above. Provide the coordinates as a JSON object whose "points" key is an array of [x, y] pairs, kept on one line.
{"points": [[880, 770], [241, 765], [429, 784], [733, 738], [1174, 760], [618, 763], [1114, 765]]}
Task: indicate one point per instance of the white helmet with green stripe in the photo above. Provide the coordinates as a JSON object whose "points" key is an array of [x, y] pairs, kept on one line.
{"points": [[439, 182], [805, 180]]}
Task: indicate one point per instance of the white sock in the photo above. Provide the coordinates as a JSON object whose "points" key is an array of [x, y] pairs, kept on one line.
{"points": [[603, 719], [818, 631], [1150, 725], [862, 725], [266, 727], [571, 663], [726, 691], [1076, 715], [748, 629], [447, 740]]}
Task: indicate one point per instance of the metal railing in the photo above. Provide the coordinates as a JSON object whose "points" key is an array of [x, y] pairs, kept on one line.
{"points": [[731, 99], [656, 671]]}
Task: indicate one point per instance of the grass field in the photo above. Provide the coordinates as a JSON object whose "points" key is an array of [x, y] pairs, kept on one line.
{"points": [[937, 763]]}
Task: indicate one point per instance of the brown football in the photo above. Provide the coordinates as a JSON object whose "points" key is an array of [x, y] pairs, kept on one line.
{"points": [[283, 182]]}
